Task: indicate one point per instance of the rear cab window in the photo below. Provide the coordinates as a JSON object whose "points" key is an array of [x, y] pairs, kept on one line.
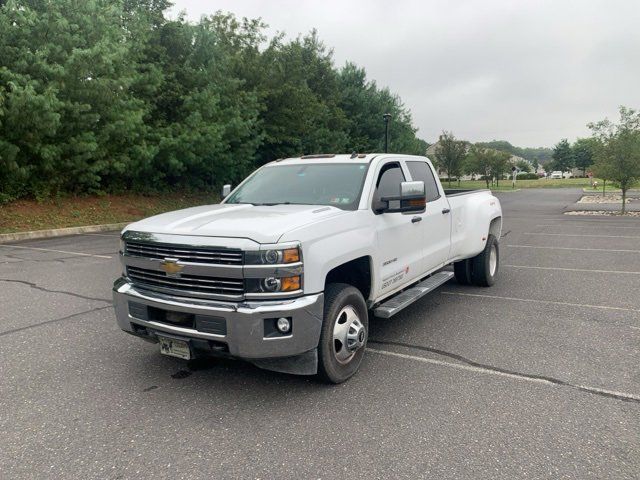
{"points": [[421, 171]]}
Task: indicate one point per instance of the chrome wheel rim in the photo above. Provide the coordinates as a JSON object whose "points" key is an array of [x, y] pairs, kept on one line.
{"points": [[493, 260], [349, 335]]}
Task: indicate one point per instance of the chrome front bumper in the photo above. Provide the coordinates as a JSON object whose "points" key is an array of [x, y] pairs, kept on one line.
{"points": [[245, 335]]}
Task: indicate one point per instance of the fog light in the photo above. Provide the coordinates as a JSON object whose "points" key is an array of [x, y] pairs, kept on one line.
{"points": [[284, 325]]}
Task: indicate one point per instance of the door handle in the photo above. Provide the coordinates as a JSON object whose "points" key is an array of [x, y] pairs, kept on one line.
{"points": [[445, 211], [416, 219]]}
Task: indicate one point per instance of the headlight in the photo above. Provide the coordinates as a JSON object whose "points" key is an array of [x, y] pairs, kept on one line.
{"points": [[273, 271], [273, 284], [273, 256]]}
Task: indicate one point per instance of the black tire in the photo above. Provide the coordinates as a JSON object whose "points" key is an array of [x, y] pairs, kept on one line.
{"points": [[462, 270], [482, 274], [337, 297]]}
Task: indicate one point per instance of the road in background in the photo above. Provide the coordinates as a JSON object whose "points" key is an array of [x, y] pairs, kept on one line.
{"points": [[535, 377]]}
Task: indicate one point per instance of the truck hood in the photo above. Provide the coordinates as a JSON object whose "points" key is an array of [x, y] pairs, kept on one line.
{"points": [[262, 224]]}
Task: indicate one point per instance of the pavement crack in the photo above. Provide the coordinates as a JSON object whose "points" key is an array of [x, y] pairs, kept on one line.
{"points": [[43, 289], [625, 397], [55, 320]]}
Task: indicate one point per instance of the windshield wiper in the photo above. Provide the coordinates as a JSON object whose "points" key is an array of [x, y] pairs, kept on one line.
{"points": [[271, 204]]}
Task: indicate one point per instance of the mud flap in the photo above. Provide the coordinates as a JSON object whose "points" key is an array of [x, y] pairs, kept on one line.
{"points": [[303, 364]]}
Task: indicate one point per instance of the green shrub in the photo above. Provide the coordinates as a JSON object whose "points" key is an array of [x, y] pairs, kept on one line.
{"points": [[528, 176]]}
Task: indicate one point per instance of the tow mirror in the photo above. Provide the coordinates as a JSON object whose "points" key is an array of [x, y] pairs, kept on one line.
{"points": [[226, 190], [412, 198]]}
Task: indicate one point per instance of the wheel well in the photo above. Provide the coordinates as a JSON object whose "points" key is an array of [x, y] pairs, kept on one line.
{"points": [[495, 227], [356, 272]]}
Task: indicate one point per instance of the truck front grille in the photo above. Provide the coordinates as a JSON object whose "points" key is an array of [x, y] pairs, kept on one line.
{"points": [[219, 256], [189, 285]]}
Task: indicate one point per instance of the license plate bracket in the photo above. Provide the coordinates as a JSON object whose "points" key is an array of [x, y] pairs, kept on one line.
{"points": [[175, 347]]}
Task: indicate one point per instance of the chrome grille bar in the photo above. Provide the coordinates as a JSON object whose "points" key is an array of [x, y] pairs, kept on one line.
{"points": [[184, 253], [190, 284]]}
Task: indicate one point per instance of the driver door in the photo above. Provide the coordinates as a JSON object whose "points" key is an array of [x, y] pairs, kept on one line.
{"points": [[399, 235]]}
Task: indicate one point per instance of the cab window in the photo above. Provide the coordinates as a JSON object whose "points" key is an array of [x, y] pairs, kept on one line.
{"points": [[420, 171]]}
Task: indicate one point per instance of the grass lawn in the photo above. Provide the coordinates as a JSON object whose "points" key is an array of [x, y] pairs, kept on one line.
{"points": [[539, 183], [26, 215]]}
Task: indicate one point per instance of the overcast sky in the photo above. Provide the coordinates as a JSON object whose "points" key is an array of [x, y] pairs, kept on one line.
{"points": [[530, 72]]}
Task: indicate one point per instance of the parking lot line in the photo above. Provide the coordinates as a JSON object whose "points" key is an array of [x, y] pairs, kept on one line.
{"points": [[572, 269], [56, 251], [515, 376], [574, 248], [589, 226], [581, 235], [549, 302], [113, 235]]}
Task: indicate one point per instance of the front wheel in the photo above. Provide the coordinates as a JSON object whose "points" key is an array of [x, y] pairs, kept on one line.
{"points": [[484, 267], [344, 333]]}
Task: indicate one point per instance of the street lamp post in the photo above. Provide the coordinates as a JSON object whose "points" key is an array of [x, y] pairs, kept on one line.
{"points": [[386, 117]]}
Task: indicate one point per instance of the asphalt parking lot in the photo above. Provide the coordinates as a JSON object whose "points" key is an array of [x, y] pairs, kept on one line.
{"points": [[536, 377]]}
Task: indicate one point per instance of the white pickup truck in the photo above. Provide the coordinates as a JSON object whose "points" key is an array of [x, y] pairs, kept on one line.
{"points": [[287, 269]]}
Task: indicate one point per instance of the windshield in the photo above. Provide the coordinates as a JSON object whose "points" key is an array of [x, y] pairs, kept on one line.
{"points": [[338, 185]]}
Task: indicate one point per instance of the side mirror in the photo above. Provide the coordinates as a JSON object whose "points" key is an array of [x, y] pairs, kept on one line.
{"points": [[226, 190], [412, 198]]}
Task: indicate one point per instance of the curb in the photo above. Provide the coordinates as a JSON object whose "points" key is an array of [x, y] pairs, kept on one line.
{"points": [[59, 232]]}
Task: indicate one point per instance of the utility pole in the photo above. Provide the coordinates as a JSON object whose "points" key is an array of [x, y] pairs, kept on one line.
{"points": [[386, 117]]}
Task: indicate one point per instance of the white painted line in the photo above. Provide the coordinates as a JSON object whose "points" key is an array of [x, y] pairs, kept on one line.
{"points": [[592, 226], [56, 251], [549, 302], [572, 269], [573, 248], [486, 371], [581, 235], [100, 235]]}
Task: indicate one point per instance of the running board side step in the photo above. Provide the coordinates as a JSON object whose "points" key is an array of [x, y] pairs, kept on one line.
{"points": [[406, 298]]}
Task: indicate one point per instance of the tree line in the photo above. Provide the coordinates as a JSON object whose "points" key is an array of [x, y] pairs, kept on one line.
{"points": [[612, 154], [108, 96], [458, 157], [539, 155]]}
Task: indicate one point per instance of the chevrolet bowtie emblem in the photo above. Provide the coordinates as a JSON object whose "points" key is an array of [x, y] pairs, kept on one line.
{"points": [[171, 267]]}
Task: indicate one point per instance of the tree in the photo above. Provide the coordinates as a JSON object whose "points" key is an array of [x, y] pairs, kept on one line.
{"points": [[583, 153], [523, 166], [100, 96], [535, 165], [500, 164], [617, 152], [563, 159], [450, 155], [68, 71], [364, 104], [480, 161]]}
